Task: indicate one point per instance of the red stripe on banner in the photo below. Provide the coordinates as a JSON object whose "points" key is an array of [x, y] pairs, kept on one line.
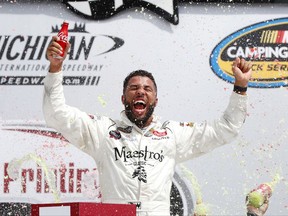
{"points": [[280, 36], [41, 132]]}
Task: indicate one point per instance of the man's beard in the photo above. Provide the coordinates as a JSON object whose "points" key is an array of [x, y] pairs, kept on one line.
{"points": [[140, 122]]}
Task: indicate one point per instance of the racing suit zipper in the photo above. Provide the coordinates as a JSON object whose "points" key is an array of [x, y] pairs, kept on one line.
{"points": [[139, 182]]}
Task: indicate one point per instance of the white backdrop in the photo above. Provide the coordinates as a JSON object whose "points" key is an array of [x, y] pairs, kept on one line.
{"points": [[178, 55]]}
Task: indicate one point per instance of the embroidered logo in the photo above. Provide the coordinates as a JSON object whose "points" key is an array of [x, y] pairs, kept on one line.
{"points": [[144, 154], [140, 172], [115, 134], [125, 130], [144, 157], [138, 204], [159, 133], [186, 124]]}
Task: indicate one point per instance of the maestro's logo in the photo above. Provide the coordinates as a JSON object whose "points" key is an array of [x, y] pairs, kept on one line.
{"points": [[264, 44]]}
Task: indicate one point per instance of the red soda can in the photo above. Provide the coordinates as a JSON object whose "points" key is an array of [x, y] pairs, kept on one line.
{"points": [[63, 38]]}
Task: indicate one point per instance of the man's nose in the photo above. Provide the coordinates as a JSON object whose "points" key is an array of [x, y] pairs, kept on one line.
{"points": [[140, 91]]}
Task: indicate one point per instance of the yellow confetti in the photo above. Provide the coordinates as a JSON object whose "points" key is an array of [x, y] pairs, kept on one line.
{"points": [[201, 208], [14, 166], [102, 101]]}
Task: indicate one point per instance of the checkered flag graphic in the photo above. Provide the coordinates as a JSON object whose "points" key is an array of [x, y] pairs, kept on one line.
{"points": [[103, 9]]}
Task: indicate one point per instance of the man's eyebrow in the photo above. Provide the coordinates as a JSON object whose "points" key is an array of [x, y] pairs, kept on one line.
{"points": [[133, 85], [137, 85]]}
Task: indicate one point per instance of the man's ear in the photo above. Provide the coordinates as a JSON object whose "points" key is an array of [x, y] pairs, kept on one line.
{"points": [[122, 99], [156, 102]]}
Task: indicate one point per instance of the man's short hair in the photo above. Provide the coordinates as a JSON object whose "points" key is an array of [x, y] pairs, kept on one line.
{"points": [[138, 73]]}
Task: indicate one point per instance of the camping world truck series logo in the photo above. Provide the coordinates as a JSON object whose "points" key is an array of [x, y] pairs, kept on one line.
{"points": [[264, 44]]}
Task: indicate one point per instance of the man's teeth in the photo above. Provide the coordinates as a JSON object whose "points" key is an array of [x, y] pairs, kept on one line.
{"points": [[139, 102]]}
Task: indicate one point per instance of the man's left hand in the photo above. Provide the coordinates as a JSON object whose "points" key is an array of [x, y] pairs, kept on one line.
{"points": [[242, 71]]}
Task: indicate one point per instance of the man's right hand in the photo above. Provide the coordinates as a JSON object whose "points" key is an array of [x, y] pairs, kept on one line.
{"points": [[54, 49]]}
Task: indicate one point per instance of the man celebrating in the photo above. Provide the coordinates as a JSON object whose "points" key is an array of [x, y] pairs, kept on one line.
{"points": [[136, 156]]}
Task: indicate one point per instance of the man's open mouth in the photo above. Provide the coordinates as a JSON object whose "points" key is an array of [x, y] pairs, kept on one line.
{"points": [[139, 105]]}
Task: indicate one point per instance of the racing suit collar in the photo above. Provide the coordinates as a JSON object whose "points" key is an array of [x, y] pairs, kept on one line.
{"points": [[141, 130]]}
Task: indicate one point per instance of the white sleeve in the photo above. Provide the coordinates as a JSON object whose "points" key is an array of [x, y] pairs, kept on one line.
{"points": [[194, 139], [76, 126]]}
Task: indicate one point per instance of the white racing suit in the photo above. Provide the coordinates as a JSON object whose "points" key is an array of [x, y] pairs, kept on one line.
{"points": [[135, 165]]}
